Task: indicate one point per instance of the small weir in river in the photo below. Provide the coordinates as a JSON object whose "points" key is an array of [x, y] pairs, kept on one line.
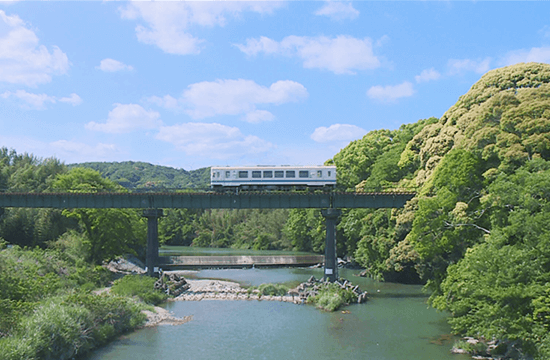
{"points": [[396, 324]]}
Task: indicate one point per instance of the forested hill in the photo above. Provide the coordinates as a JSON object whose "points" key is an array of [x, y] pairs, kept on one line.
{"points": [[134, 175], [478, 231]]}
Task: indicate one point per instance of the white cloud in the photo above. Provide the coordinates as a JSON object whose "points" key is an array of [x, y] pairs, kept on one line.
{"points": [[167, 102], [233, 97], [338, 10], [478, 66], [111, 65], [22, 59], [39, 101], [341, 55], [391, 93], [258, 116], [30, 100], [536, 54], [166, 24], [337, 132], [263, 44], [427, 75], [212, 140], [126, 118], [74, 99]]}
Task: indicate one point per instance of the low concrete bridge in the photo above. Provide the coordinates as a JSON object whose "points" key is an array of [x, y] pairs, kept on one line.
{"points": [[153, 203]]}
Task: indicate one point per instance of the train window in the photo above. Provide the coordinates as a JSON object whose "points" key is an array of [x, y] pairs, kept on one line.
{"points": [[303, 173], [227, 174], [268, 174], [319, 173], [243, 174], [329, 173], [290, 173], [279, 173], [256, 174]]}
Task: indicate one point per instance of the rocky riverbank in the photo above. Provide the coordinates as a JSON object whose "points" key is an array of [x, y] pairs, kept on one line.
{"points": [[162, 316], [196, 290], [225, 290]]}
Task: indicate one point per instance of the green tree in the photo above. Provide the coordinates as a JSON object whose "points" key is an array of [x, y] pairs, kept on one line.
{"points": [[305, 230], [177, 226], [109, 232], [500, 288], [451, 220]]}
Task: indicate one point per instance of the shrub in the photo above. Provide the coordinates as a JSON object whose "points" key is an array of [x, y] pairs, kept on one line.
{"points": [[141, 287], [273, 289], [269, 289], [331, 297], [64, 327], [52, 332]]}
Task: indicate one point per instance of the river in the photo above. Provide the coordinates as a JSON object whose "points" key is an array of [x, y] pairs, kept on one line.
{"points": [[396, 324]]}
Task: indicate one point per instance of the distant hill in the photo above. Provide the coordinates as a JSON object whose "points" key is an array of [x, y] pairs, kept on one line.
{"points": [[136, 175]]}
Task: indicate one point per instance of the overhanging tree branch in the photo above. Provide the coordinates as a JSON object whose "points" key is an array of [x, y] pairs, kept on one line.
{"points": [[448, 224]]}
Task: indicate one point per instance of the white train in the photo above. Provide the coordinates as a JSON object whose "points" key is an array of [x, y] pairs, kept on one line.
{"points": [[272, 177]]}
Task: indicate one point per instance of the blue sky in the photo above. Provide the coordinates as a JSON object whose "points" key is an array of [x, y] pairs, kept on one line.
{"points": [[194, 84]]}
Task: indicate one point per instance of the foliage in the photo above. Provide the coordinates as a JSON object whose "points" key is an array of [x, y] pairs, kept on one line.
{"points": [[500, 288], [331, 297], [63, 327], [109, 232], [446, 224], [504, 119], [273, 289], [374, 158], [141, 287], [25, 172], [47, 313], [176, 227], [241, 229], [305, 230]]}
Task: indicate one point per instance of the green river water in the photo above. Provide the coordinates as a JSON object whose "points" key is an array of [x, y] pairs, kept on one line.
{"points": [[396, 324]]}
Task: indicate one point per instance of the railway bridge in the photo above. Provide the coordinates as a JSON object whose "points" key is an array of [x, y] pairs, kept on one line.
{"points": [[154, 203]]}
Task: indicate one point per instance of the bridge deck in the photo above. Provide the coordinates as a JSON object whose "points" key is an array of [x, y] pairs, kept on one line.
{"points": [[204, 200]]}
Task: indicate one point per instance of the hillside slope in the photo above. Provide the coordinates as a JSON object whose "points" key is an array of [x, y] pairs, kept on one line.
{"points": [[133, 175], [504, 118], [478, 231]]}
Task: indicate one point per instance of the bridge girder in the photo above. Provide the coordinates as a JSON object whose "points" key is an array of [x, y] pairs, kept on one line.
{"points": [[205, 200]]}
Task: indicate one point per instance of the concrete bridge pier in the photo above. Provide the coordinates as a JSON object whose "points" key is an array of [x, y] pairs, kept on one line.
{"points": [[151, 258], [331, 263]]}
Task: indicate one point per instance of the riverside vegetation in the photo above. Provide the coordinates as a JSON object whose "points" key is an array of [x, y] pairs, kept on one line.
{"points": [[48, 309], [476, 234]]}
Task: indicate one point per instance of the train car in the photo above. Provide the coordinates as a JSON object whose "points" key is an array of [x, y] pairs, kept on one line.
{"points": [[272, 177]]}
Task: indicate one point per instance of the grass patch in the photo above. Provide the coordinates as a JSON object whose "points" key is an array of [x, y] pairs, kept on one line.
{"points": [[139, 286], [269, 289]]}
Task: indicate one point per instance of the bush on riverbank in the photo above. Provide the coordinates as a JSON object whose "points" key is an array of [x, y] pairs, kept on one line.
{"points": [[269, 289], [139, 286], [47, 309], [65, 326], [331, 297]]}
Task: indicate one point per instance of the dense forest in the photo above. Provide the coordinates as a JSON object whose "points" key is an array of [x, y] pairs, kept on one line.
{"points": [[476, 234]]}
